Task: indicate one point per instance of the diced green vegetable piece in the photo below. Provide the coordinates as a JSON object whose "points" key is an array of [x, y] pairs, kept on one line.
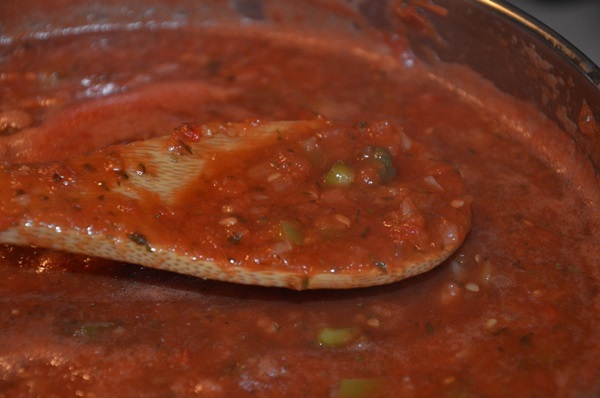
{"points": [[383, 159], [339, 175], [94, 330], [336, 337], [359, 388], [383, 156], [291, 233]]}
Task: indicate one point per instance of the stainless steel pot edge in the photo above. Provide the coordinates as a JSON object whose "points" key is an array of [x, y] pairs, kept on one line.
{"points": [[585, 65]]}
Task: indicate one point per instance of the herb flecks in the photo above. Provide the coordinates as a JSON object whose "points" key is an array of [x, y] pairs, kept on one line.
{"points": [[235, 238], [526, 340], [382, 266], [379, 264], [140, 239], [121, 173], [429, 328], [186, 146], [365, 232], [103, 185], [141, 170], [90, 168]]}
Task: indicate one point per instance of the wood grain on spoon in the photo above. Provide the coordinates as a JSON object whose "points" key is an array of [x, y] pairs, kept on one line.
{"points": [[134, 114], [303, 205]]}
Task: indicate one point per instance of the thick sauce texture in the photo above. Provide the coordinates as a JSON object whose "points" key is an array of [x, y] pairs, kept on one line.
{"points": [[360, 203], [514, 312]]}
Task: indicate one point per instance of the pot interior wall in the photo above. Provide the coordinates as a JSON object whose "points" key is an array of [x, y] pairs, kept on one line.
{"points": [[517, 54]]}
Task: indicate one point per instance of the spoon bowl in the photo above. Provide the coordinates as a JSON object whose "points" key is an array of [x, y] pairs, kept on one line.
{"points": [[302, 204]]}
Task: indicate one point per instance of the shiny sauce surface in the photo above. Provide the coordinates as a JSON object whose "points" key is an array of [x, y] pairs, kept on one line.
{"points": [[301, 199], [514, 312]]}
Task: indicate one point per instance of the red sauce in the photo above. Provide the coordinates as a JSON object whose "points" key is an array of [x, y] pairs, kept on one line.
{"points": [[514, 312]]}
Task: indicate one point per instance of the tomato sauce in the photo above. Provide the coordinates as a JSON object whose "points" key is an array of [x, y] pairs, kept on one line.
{"points": [[513, 312], [320, 204]]}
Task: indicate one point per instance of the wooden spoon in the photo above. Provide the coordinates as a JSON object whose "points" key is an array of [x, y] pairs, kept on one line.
{"points": [[303, 205]]}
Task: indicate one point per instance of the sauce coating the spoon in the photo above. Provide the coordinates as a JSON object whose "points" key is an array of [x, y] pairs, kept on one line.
{"points": [[306, 204]]}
